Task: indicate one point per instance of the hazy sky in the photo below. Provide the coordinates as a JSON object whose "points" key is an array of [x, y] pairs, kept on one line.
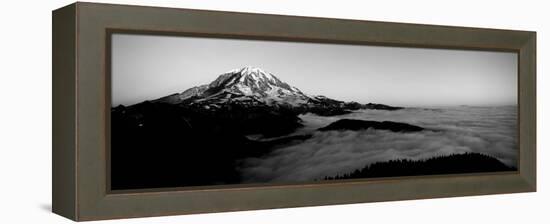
{"points": [[146, 67]]}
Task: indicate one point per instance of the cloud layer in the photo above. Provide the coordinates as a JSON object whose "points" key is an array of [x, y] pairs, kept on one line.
{"points": [[488, 130]]}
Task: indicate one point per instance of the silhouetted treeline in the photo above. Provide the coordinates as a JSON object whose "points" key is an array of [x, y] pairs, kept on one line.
{"points": [[451, 164]]}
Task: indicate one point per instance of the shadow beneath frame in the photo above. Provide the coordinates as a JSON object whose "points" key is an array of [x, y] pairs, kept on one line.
{"points": [[45, 207]]}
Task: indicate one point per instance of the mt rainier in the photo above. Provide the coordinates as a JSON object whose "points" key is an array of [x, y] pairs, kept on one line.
{"points": [[252, 86], [245, 85]]}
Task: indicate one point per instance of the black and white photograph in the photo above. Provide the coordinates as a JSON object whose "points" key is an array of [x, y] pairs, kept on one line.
{"points": [[203, 111]]}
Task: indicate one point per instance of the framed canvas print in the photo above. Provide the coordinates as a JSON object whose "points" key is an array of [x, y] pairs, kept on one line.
{"points": [[160, 111]]}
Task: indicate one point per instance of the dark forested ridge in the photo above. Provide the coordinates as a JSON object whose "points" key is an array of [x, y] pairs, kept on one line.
{"points": [[164, 145], [355, 125], [451, 164]]}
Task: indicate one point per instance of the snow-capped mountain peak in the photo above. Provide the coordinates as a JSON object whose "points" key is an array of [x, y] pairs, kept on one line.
{"points": [[251, 77], [257, 74], [252, 81], [245, 84], [256, 89]]}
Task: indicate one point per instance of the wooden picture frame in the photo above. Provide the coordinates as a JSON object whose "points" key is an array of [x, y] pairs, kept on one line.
{"points": [[81, 91]]}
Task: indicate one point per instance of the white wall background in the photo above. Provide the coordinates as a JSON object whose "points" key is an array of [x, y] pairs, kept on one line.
{"points": [[25, 112]]}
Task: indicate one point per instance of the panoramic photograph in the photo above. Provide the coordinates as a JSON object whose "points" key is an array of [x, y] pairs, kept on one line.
{"points": [[198, 111]]}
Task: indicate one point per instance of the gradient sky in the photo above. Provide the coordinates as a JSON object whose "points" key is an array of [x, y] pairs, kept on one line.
{"points": [[147, 67]]}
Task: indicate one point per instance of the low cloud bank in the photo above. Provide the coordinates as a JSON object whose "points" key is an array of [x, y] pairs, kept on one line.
{"points": [[484, 130]]}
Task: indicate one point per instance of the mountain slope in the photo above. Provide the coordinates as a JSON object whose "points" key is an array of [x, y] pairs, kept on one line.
{"points": [[248, 84], [251, 86]]}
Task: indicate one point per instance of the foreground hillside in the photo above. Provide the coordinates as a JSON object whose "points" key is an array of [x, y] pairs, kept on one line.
{"points": [[451, 164]]}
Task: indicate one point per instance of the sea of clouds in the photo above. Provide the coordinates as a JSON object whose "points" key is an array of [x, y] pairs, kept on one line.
{"points": [[487, 130]]}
